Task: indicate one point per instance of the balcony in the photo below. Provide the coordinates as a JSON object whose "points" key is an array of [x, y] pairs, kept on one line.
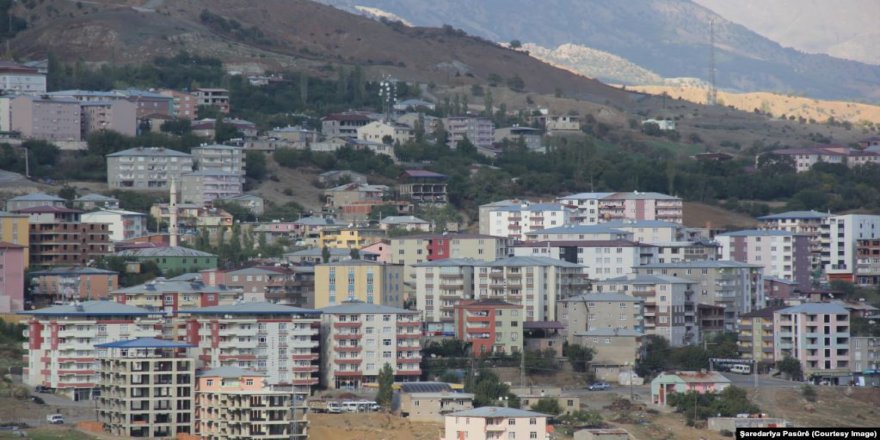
{"points": [[340, 336], [409, 335], [347, 325]]}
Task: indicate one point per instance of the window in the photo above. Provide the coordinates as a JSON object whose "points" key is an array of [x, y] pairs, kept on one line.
{"points": [[386, 318], [511, 435], [533, 434], [248, 381], [210, 382], [386, 342], [533, 421]]}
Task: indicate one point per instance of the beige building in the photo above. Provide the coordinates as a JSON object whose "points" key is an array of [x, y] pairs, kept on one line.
{"points": [[116, 115], [213, 98], [600, 311], [615, 350], [220, 158], [205, 186], [368, 281], [146, 169], [146, 388], [46, 119], [440, 285], [756, 334], [490, 326], [529, 396], [233, 403], [358, 339], [431, 401], [494, 423], [379, 131]]}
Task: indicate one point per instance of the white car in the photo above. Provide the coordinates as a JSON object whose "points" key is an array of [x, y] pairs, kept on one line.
{"points": [[55, 419]]}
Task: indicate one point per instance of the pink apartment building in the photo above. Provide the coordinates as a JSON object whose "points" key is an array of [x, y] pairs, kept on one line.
{"points": [[118, 115], [491, 422], [816, 334], [12, 264], [47, 119]]}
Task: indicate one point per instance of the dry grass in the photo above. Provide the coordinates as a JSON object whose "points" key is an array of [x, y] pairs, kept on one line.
{"points": [[376, 426], [699, 215]]}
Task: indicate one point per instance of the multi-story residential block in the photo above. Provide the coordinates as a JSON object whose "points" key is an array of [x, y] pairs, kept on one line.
{"points": [[15, 228], [213, 98], [810, 223], [679, 251], [348, 238], [146, 388], [423, 187], [864, 354], [12, 268], [17, 79], [117, 115], [235, 403], [313, 256], [490, 422], [737, 287], [479, 131], [146, 169], [578, 233], [817, 335], [258, 283], [409, 250], [123, 225], [669, 306], [839, 243], [603, 258], [595, 208], [73, 283], [777, 290], [93, 201], [517, 221], [368, 281], [594, 311], [409, 223], [34, 200], [344, 124], [221, 158], [485, 209], [184, 105], [351, 193], [169, 296], [358, 339], [535, 283], [148, 103], [867, 269], [59, 238], [756, 335], [805, 158], [382, 132], [490, 326], [46, 118], [177, 259], [783, 254], [533, 138], [586, 206], [615, 350], [440, 285], [278, 341], [650, 231], [205, 186], [60, 352]]}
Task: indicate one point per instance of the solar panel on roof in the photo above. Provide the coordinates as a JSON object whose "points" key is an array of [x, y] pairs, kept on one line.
{"points": [[425, 387]]}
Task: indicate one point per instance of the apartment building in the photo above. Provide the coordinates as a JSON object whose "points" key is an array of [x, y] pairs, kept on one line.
{"points": [[839, 242], [59, 238], [650, 231], [368, 281], [12, 268], [148, 103], [490, 326], [479, 131], [15, 229], [532, 138], [337, 199], [381, 132], [817, 335], [594, 311], [440, 285], [586, 206], [46, 118], [171, 296], [18, 79], [410, 250], [782, 254], [358, 339], [220, 158], [344, 124], [71, 283], [867, 268], [679, 251], [234, 403], [146, 168], [213, 98], [809, 223], [423, 187], [669, 307], [536, 283], [278, 341], [603, 259], [756, 335], [516, 222], [177, 259], [864, 354], [146, 388], [737, 287], [93, 201], [34, 200], [60, 351], [491, 422], [408, 223], [348, 238], [597, 207], [184, 105], [203, 187], [256, 283], [578, 233], [122, 224], [117, 115]]}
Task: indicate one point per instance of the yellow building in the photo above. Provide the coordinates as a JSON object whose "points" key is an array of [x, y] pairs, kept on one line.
{"points": [[14, 228], [348, 238], [367, 281], [756, 334]]}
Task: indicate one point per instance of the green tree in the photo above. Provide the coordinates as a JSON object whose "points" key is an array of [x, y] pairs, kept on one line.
{"points": [[540, 362], [547, 405], [255, 165], [791, 368], [488, 389], [355, 254], [809, 393], [325, 254], [386, 386], [656, 356], [67, 193], [579, 356], [516, 44]]}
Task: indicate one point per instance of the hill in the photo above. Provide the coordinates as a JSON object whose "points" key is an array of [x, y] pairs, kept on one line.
{"points": [[669, 37]]}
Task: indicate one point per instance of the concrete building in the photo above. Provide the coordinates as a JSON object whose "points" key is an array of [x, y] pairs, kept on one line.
{"points": [[423, 187], [532, 138], [409, 250], [61, 353], [344, 124], [72, 283], [205, 186], [782, 254], [593, 311], [93, 201], [12, 268], [407, 223], [220, 158], [490, 326], [683, 251], [440, 285], [15, 229], [146, 388], [358, 339], [595, 208], [428, 406], [535, 283], [336, 198], [169, 297], [839, 243], [586, 206], [348, 238], [148, 103], [479, 131], [817, 335], [233, 403], [603, 259], [517, 221], [864, 354], [669, 305], [367, 281], [213, 98], [684, 382], [177, 259], [810, 223], [18, 79], [650, 231], [312, 256], [46, 118], [34, 200], [756, 335], [123, 225], [578, 233], [382, 132], [491, 422], [615, 350], [118, 115], [146, 169], [531, 395], [184, 104], [278, 341], [59, 238]]}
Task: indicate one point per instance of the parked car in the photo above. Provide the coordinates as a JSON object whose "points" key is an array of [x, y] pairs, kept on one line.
{"points": [[55, 419], [42, 389], [599, 386]]}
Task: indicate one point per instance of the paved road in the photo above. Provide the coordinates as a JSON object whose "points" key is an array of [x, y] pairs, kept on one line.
{"points": [[764, 381]]}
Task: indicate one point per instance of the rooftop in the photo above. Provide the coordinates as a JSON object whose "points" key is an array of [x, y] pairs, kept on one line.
{"points": [[796, 215], [217, 147], [817, 308], [450, 262], [47, 209], [582, 243], [603, 296], [587, 196], [252, 308], [149, 151], [90, 308], [95, 197], [178, 251], [144, 343], [642, 224], [758, 233], [637, 195], [766, 312], [317, 252], [697, 376], [648, 279], [531, 207], [497, 411], [161, 285], [73, 270], [402, 220], [580, 229], [37, 197], [423, 173], [359, 307], [529, 261], [700, 264], [424, 387]]}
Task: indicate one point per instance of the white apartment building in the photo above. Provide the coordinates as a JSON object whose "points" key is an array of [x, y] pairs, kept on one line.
{"points": [[678, 251], [586, 206], [205, 186], [146, 169], [650, 231], [593, 207], [479, 131], [783, 254], [122, 224], [358, 339], [838, 242], [223, 158], [281, 342], [517, 221], [602, 259], [16, 79], [495, 423], [669, 308], [60, 351], [579, 233], [810, 223], [440, 285], [536, 283]]}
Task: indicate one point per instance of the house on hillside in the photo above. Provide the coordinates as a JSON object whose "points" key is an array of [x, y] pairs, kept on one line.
{"points": [[686, 381]]}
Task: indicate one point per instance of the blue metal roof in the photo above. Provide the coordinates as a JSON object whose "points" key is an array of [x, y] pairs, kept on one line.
{"points": [[796, 215], [252, 308], [144, 343]]}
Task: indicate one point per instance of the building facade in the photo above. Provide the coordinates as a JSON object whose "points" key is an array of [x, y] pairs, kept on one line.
{"points": [[46, 118], [817, 335], [594, 311], [205, 186], [516, 222], [71, 283], [368, 281], [146, 169], [756, 335], [442, 284], [840, 242], [220, 158], [782, 254], [479, 131], [59, 238], [123, 225], [171, 296], [12, 268], [490, 422], [490, 326]]}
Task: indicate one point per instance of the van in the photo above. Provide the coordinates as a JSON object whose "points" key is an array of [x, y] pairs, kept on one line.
{"points": [[741, 369], [55, 419], [334, 408], [350, 406]]}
